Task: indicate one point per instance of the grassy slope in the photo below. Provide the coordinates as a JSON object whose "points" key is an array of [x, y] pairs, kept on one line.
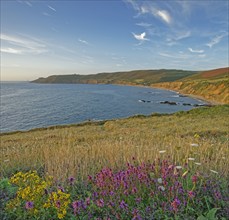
{"points": [[136, 77], [211, 85], [81, 150]]}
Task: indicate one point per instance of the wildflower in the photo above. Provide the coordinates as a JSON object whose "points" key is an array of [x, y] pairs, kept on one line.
{"points": [[175, 204], [213, 171], [194, 145], [138, 200], [161, 188], [178, 167], [194, 179], [136, 215], [191, 194], [162, 151], [71, 180], [191, 158], [134, 190], [29, 205], [159, 180], [123, 205], [100, 203]]}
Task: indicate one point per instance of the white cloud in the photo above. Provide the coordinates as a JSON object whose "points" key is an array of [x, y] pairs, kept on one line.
{"points": [[164, 15], [19, 45], [83, 41], [10, 50], [202, 55], [216, 40], [146, 7], [195, 51], [140, 37], [50, 7]]}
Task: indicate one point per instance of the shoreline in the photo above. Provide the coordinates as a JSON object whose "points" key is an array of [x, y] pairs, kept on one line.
{"points": [[99, 122]]}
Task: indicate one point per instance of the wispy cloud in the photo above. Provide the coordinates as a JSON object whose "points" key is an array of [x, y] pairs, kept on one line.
{"points": [[50, 7], [195, 51], [148, 8], [174, 55], [19, 45], [164, 15], [83, 41], [46, 14], [10, 50], [140, 37], [216, 40], [143, 24]]}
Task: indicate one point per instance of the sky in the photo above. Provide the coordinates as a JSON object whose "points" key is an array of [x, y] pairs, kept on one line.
{"points": [[42, 38]]}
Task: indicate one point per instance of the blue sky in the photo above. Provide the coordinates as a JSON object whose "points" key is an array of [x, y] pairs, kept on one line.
{"points": [[41, 38]]}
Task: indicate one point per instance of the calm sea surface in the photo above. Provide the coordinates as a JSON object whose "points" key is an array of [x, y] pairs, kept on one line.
{"points": [[26, 105]]}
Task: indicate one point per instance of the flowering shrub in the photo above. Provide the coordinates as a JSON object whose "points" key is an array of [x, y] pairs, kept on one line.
{"points": [[158, 190], [32, 198]]}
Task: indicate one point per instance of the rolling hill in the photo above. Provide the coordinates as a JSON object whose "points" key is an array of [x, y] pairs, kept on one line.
{"points": [[136, 77], [212, 85]]}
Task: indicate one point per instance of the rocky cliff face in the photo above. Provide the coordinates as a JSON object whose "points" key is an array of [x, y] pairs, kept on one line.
{"points": [[217, 91]]}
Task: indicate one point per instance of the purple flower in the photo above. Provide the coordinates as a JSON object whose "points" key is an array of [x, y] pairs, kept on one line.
{"points": [[123, 205], [138, 200], [71, 180], [100, 203], [175, 204], [58, 204], [134, 190], [61, 188], [29, 205], [191, 194]]}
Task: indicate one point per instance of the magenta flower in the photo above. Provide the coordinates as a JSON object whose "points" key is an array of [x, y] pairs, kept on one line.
{"points": [[175, 204], [191, 194], [100, 203], [194, 179], [123, 205], [29, 205]]}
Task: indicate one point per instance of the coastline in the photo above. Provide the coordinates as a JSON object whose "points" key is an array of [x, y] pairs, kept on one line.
{"points": [[100, 122]]}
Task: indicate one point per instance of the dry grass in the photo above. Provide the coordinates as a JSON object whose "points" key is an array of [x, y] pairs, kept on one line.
{"points": [[83, 150]]}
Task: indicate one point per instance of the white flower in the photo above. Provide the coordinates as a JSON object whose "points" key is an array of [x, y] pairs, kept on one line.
{"points": [[162, 151], [162, 188], [191, 158], [198, 164], [159, 180], [194, 145], [178, 167], [213, 171]]}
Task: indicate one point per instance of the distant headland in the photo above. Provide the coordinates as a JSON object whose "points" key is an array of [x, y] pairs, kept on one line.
{"points": [[211, 85]]}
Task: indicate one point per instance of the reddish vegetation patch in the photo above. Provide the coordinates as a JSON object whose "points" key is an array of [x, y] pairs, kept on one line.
{"points": [[216, 72]]}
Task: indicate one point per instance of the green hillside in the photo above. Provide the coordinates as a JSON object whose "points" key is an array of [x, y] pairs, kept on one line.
{"points": [[136, 77]]}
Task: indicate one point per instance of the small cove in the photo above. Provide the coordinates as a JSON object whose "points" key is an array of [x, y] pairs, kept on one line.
{"points": [[25, 106]]}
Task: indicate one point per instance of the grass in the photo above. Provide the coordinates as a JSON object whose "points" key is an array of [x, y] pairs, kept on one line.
{"points": [[84, 150], [162, 166]]}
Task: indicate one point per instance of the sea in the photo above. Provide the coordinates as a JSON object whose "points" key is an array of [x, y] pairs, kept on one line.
{"points": [[25, 105]]}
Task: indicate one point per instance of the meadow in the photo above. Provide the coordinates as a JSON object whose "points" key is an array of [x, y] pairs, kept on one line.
{"points": [[166, 164]]}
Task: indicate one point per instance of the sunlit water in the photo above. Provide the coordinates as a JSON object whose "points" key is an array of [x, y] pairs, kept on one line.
{"points": [[26, 105]]}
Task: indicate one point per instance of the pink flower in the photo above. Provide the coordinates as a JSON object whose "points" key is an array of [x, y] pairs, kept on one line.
{"points": [[194, 179], [175, 204], [191, 194], [29, 205], [100, 203]]}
